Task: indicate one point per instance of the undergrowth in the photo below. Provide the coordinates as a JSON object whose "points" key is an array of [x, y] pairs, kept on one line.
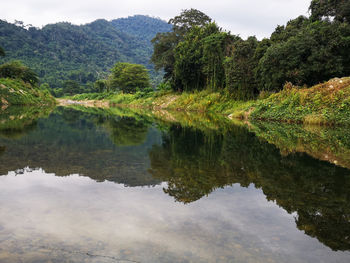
{"points": [[324, 104], [18, 92]]}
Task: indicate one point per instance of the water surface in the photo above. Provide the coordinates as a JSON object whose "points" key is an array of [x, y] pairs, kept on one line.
{"points": [[95, 186]]}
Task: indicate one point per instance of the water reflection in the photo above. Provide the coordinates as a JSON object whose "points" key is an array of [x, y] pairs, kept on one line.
{"points": [[16, 121], [226, 176], [76, 142], [317, 191], [72, 219]]}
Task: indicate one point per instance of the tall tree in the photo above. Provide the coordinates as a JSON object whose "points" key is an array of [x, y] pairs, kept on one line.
{"points": [[199, 58], [188, 19], [338, 9], [129, 77], [2, 52], [164, 44], [239, 69]]}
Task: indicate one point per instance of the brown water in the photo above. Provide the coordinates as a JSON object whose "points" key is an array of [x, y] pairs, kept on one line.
{"points": [[101, 187]]}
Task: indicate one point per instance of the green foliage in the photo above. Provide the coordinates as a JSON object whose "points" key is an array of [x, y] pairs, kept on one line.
{"points": [[188, 19], [239, 69], [197, 54], [163, 53], [165, 43], [71, 87], [327, 103], [62, 51], [101, 85], [128, 77], [317, 52], [16, 70], [199, 58], [337, 9], [2, 52], [93, 96], [18, 92], [142, 27], [164, 86]]}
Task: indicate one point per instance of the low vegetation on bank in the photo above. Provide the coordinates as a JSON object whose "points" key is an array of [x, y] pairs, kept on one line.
{"points": [[19, 85], [327, 103], [18, 92]]}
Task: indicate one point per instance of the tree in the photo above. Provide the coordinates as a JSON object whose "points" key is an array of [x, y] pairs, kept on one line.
{"points": [[164, 44], [216, 47], [71, 87], [199, 58], [188, 19], [163, 52], [318, 52], [129, 77], [337, 9], [100, 85], [293, 27], [2, 52], [239, 69], [16, 70]]}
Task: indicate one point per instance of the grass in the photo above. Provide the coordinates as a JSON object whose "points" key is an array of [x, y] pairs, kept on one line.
{"points": [[17, 92], [324, 104], [199, 101]]}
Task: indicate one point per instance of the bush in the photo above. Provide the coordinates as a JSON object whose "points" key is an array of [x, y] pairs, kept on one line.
{"points": [[16, 70]]}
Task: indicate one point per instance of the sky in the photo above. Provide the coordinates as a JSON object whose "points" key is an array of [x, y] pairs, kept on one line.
{"points": [[241, 17]]}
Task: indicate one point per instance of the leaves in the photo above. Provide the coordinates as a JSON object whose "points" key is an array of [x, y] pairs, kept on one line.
{"points": [[128, 77]]}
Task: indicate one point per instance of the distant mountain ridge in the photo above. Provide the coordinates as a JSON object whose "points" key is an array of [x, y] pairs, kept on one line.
{"points": [[63, 51]]}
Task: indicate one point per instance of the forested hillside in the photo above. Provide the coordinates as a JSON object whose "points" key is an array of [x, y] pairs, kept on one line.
{"points": [[68, 56]]}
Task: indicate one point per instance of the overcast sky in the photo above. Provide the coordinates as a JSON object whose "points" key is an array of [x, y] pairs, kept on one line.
{"points": [[243, 17]]}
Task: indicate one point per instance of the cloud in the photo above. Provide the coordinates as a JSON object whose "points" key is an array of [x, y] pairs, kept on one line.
{"points": [[250, 17]]}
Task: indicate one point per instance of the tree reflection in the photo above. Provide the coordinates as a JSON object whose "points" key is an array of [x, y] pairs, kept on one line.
{"points": [[126, 131], [84, 142], [16, 121], [186, 163], [194, 163]]}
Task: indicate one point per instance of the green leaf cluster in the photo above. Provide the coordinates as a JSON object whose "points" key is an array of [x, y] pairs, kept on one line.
{"points": [[128, 77], [199, 55]]}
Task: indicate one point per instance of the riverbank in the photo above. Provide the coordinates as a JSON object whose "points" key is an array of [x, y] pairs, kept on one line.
{"points": [[324, 104], [17, 92], [324, 143]]}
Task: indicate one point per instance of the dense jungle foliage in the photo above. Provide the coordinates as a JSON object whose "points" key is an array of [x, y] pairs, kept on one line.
{"points": [[195, 54], [70, 58], [198, 54]]}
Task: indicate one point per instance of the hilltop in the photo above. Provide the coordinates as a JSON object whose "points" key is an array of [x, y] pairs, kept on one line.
{"points": [[82, 53]]}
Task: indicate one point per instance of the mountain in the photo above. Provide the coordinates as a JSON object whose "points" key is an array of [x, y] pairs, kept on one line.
{"points": [[142, 27], [63, 51]]}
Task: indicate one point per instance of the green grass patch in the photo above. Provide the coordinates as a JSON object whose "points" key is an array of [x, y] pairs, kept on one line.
{"points": [[324, 104], [17, 92]]}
